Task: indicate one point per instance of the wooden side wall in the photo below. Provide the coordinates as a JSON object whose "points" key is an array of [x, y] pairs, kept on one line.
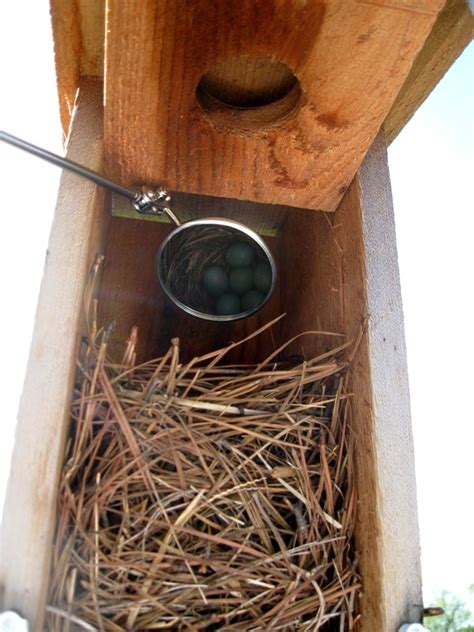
{"points": [[385, 349], [78, 233], [131, 296], [346, 271]]}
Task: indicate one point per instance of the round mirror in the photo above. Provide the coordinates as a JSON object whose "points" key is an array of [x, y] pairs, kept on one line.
{"points": [[216, 269]]}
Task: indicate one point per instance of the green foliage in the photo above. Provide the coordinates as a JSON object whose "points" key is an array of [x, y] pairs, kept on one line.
{"points": [[457, 616]]}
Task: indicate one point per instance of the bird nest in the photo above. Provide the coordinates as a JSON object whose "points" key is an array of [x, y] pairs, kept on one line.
{"points": [[206, 496], [187, 255]]}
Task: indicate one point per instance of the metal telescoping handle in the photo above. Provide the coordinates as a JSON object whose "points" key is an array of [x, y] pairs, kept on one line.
{"points": [[65, 163], [146, 201]]}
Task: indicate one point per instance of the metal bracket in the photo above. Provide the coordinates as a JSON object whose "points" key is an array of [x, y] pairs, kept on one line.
{"points": [[146, 201], [151, 202]]}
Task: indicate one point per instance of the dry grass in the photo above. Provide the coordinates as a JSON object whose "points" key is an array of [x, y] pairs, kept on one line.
{"points": [[202, 496]]}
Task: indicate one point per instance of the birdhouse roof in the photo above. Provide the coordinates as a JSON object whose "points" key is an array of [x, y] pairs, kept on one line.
{"points": [[274, 102]]}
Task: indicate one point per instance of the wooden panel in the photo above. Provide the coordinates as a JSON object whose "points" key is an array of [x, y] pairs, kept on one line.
{"points": [[131, 296], [451, 33], [346, 271], [396, 505], [30, 508], [78, 25], [79, 33], [92, 14], [67, 36], [351, 59], [265, 219]]}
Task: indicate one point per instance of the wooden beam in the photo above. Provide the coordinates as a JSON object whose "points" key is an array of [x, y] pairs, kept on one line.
{"points": [[92, 16], [172, 69], [382, 382], [79, 31], [346, 271], [452, 32], [79, 34], [65, 19], [77, 234], [265, 219]]}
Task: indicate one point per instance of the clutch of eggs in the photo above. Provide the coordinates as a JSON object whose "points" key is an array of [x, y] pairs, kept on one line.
{"points": [[240, 286]]}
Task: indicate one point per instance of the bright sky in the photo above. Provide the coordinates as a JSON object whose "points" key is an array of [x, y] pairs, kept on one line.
{"points": [[28, 109], [431, 165], [432, 168]]}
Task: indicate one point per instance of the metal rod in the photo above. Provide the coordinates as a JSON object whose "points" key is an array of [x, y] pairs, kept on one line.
{"points": [[65, 163], [172, 216]]}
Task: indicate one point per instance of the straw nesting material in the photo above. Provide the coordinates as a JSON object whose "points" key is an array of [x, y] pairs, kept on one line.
{"points": [[202, 496]]}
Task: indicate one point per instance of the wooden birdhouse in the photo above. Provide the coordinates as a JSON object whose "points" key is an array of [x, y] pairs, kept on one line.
{"points": [[276, 114]]}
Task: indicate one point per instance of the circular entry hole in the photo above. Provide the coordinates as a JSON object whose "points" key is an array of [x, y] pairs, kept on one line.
{"points": [[248, 92]]}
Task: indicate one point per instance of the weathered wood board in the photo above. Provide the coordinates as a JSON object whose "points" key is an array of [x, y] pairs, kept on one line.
{"points": [[350, 60], [347, 271], [79, 35], [79, 38], [80, 31], [79, 231]]}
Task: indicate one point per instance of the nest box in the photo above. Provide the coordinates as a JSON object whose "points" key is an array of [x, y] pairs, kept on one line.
{"points": [[276, 113]]}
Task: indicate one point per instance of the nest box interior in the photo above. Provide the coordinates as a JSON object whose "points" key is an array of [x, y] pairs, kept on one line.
{"points": [[268, 113]]}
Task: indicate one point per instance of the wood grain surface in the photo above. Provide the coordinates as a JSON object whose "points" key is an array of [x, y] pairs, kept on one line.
{"points": [[79, 39], [384, 389], [350, 58], [92, 24], [79, 33], [131, 296], [346, 273], [78, 233], [67, 34]]}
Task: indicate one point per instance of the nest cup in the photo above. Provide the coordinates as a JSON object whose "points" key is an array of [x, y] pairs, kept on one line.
{"points": [[188, 252]]}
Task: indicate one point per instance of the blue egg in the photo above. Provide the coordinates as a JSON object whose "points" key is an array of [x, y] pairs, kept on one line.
{"points": [[251, 300], [228, 305], [215, 280], [241, 279], [262, 277], [240, 254]]}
